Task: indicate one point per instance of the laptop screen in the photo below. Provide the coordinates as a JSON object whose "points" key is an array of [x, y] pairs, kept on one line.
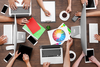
{"points": [[20, 10], [51, 53]]}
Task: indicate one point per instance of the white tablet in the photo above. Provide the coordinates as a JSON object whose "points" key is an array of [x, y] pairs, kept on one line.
{"points": [[90, 52]]}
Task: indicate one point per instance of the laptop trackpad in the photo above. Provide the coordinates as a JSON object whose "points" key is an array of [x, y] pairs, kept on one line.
{"points": [[51, 53]]}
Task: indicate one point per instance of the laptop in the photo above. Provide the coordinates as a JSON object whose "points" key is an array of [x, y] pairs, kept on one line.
{"points": [[52, 54], [20, 11]]}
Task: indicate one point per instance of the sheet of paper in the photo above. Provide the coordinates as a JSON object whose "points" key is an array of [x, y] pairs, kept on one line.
{"points": [[8, 32], [93, 29], [50, 6]]}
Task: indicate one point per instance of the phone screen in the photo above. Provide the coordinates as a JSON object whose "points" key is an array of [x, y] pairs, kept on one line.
{"points": [[89, 54], [32, 40], [74, 18], [4, 9], [8, 57]]}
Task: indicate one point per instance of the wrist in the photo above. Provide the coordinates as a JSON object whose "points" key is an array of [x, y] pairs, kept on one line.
{"points": [[14, 58], [97, 63]]}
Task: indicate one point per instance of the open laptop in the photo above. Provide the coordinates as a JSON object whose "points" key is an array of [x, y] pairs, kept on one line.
{"points": [[52, 54], [20, 11]]}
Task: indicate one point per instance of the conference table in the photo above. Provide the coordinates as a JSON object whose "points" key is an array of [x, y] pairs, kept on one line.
{"points": [[44, 39]]}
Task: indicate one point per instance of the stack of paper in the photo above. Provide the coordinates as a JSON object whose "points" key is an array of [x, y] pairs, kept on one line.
{"points": [[36, 34]]}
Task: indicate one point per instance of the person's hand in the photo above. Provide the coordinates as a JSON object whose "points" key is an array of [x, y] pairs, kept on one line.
{"points": [[46, 64], [93, 59], [25, 58], [68, 9], [69, 43], [83, 1], [22, 21], [96, 2], [78, 14], [83, 54], [3, 39], [97, 37], [12, 4], [16, 54], [26, 4], [47, 13]]}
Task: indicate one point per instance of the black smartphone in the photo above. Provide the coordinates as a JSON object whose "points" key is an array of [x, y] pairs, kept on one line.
{"points": [[75, 18], [32, 40], [4, 9], [90, 52], [8, 57]]}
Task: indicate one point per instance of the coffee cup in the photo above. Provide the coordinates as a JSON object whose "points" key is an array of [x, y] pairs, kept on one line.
{"points": [[72, 55], [64, 16]]}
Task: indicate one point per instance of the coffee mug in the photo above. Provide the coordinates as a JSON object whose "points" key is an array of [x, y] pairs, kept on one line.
{"points": [[72, 55], [64, 16]]}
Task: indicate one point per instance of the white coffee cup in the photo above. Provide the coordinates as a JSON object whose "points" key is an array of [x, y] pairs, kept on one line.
{"points": [[64, 16], [72, 55]]}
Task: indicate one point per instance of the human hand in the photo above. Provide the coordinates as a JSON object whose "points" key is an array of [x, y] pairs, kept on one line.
{"points": [[83, 1], [47, 13], [22, 21], [96, 2], [3, 39], [69, 43], [78, 14], [16, 54], [46, 64], [97, 37], [93, 59], [68, 9], [26, 4], [25, 58], [12, 4], [83, 54]]}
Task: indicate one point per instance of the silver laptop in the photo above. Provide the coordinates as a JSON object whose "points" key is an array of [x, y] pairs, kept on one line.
{"points": [[52, 54], [20, 11]]}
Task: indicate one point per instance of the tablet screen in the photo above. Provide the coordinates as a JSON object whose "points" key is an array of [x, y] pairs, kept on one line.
{"points": [[90, 4], [89, 54]]}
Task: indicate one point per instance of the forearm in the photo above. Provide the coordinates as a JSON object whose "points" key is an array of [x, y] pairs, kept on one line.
{"points": [[28, 64], [11, 62], [95, 13], [76, 64], [40, 2], [97, 63], [6, 19], [69, 3], [67, 59]]}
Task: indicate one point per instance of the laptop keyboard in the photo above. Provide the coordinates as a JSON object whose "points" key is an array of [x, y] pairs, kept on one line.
{"points": [[51, 53]]}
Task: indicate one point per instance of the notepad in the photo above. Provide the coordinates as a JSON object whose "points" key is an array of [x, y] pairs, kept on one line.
{"points": [[50, 6], [33, 26], [37, 34], [93, 29]]}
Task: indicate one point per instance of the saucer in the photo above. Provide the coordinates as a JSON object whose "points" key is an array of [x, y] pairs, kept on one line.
{"points": [[62, 18]]}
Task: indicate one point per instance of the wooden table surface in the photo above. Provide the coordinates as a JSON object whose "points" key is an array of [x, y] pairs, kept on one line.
{"points": [[44, 40]]}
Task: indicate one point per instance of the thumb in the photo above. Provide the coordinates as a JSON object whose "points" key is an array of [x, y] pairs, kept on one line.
{"points": [[16, 1], [22, 1]]}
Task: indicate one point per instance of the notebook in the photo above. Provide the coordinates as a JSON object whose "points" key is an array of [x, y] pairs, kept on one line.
{"points": [[50, 6], [37, 34], [33, 26], [24, 50]]}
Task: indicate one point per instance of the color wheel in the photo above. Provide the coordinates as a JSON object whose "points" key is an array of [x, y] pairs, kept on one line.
{"points": [[59, 35]]}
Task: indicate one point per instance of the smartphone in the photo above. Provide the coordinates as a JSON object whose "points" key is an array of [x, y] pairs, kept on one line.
{"points": [[4, 9], [32, 40], [8, 57], [90, 52], [75, 18]]}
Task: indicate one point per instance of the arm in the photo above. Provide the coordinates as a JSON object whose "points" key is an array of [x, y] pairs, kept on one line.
{"points": [[67, 57], [40, 2], [46, 64], [94, 60], [69, 6], [20, 21], [26, 60], [3, 39], [13, 59], [76, 64]]}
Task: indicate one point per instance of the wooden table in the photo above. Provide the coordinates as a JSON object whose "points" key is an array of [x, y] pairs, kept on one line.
{"points": [[44, 40]]}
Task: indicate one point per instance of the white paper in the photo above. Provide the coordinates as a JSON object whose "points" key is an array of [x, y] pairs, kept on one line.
{"points": [[93, 29], [8, 32], [50, 6]]}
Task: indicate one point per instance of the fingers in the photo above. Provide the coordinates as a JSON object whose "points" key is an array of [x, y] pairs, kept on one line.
{"points": [[16, 1]]}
